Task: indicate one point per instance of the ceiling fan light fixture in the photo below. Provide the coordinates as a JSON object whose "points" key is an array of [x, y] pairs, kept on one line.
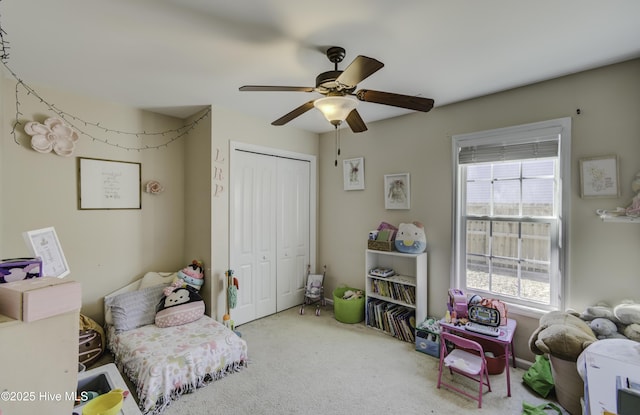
{"points": [[336, 108]]}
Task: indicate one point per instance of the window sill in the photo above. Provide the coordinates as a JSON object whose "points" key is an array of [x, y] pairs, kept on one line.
{"points": [[525, 311]]}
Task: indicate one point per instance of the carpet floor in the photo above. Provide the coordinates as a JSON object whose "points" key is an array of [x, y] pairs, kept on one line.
{"points": [[303, 364]]}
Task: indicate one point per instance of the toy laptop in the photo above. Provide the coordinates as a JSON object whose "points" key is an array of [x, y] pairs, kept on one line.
{"points": [[17, 269]]}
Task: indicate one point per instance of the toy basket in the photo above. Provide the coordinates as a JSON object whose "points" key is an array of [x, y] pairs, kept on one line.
{"points": [[347, 311]]}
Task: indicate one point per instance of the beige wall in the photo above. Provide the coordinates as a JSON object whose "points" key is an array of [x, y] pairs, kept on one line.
{"points": [[105, 249], [603, 256]]}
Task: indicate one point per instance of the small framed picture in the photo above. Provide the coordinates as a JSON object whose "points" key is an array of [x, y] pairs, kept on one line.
{"points": [[44, 243], [599, 177], [353, 172], [397, 191]]}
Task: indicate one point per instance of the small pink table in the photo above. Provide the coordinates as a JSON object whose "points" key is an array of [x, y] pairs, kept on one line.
{"points": [[505, 339]]}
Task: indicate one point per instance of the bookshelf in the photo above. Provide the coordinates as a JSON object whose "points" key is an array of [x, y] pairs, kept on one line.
{"points": [[395, 304]]}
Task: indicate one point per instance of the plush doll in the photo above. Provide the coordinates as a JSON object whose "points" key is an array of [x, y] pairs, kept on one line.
{"points": [[192, 274], [180, 305], [411, 238], [605, 329], [561, 335]]}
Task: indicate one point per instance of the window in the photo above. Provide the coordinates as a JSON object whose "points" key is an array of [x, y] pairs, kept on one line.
{"points": [[510, 202]]}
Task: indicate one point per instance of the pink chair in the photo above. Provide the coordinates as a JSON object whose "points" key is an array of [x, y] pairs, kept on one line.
{"points": [[464, 362]]}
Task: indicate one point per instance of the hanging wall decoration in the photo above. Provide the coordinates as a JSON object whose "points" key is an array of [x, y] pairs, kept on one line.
{"points": [[154, 187], [397, 191], [54, 135]]}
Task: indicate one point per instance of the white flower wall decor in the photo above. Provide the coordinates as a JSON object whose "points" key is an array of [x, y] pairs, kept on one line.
{"points": [[54, 135], [154, 187]]}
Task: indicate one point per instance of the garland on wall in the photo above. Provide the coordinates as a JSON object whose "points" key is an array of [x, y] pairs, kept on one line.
{"points": [[80, 124]]}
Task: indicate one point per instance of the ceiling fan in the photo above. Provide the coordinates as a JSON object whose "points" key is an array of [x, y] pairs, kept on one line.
{"points": [[340, 98]]}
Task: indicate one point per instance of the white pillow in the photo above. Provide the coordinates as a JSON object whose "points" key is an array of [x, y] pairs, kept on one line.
{"points": [[134, 309], [154, 278]]}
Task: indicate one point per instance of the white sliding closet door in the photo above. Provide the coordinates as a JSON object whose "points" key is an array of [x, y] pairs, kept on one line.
{"points": [[293, 231], [270, 232], [253, 226]]}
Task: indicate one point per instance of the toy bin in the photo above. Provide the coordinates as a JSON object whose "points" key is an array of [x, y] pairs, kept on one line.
{"points": [[428, 342], [495, 364], [348, 311]]}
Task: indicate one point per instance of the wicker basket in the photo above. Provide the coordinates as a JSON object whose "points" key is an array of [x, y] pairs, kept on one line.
{"points": [[381, 245]]}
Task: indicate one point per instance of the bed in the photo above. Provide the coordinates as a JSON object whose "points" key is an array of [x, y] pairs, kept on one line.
{"points": [[166, 362]]}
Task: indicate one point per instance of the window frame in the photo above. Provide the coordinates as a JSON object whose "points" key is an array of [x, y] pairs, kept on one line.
{"points": [[560, 128]]}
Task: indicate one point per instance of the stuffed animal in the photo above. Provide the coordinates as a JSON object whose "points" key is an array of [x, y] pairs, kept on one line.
{"points": [[352, 295], [180, 305], [628, 312], [561, 335], [192, 275], [600, 310], [411, 238], [605, 329], [632, 331]]}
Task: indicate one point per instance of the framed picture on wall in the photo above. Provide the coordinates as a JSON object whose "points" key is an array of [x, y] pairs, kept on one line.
{"points": [[44, 243], [108, 184], [353, 173], [397, 191], [599, 177]]}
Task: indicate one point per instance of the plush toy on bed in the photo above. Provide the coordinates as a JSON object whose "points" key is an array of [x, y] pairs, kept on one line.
{"points": [[192, 274], [181, 305], [411, 238]]}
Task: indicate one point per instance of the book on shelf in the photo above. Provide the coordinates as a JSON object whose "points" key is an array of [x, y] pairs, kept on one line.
{"points": [[382, 272], [394, 290], [394, 319]]}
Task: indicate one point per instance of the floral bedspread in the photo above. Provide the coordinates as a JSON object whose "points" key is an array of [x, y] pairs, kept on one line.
{"points": [[164, 363]]}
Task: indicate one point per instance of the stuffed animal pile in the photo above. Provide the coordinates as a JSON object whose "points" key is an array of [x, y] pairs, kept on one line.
{"points": [[618, 322]]}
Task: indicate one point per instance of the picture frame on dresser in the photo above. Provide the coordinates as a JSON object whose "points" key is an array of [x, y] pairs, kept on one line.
{"points": [[44, 243]]}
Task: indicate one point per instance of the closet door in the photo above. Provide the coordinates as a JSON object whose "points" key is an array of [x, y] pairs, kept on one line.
{"points": [[293, 231], [252, 215]]}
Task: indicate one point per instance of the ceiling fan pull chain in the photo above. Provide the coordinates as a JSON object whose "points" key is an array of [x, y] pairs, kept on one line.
{"points": [[335, 162]]}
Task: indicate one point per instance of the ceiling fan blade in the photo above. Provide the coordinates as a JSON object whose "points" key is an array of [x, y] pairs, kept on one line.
{"points": [[355, 122], [276, 88], [396, 100], [293, 114], [361, 68]]}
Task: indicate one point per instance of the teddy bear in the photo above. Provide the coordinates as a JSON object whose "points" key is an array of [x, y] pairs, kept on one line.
{"points": [[562, 335]]}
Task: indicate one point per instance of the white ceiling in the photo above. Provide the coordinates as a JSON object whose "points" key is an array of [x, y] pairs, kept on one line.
{"points": [[175, 56]]}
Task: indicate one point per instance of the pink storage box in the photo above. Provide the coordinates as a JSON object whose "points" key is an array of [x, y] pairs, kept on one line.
{"points": [[38, 298], [17, 269]]}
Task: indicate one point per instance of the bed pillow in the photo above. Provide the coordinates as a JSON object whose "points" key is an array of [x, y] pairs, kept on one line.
{"points": [[182, 305], [134, 309]]}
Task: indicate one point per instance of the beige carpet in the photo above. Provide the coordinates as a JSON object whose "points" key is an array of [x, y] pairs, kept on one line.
{"points": [[303, 364]]}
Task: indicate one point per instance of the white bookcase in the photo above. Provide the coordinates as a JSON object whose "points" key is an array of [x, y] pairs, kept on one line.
{"points": [[396, 304]]}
